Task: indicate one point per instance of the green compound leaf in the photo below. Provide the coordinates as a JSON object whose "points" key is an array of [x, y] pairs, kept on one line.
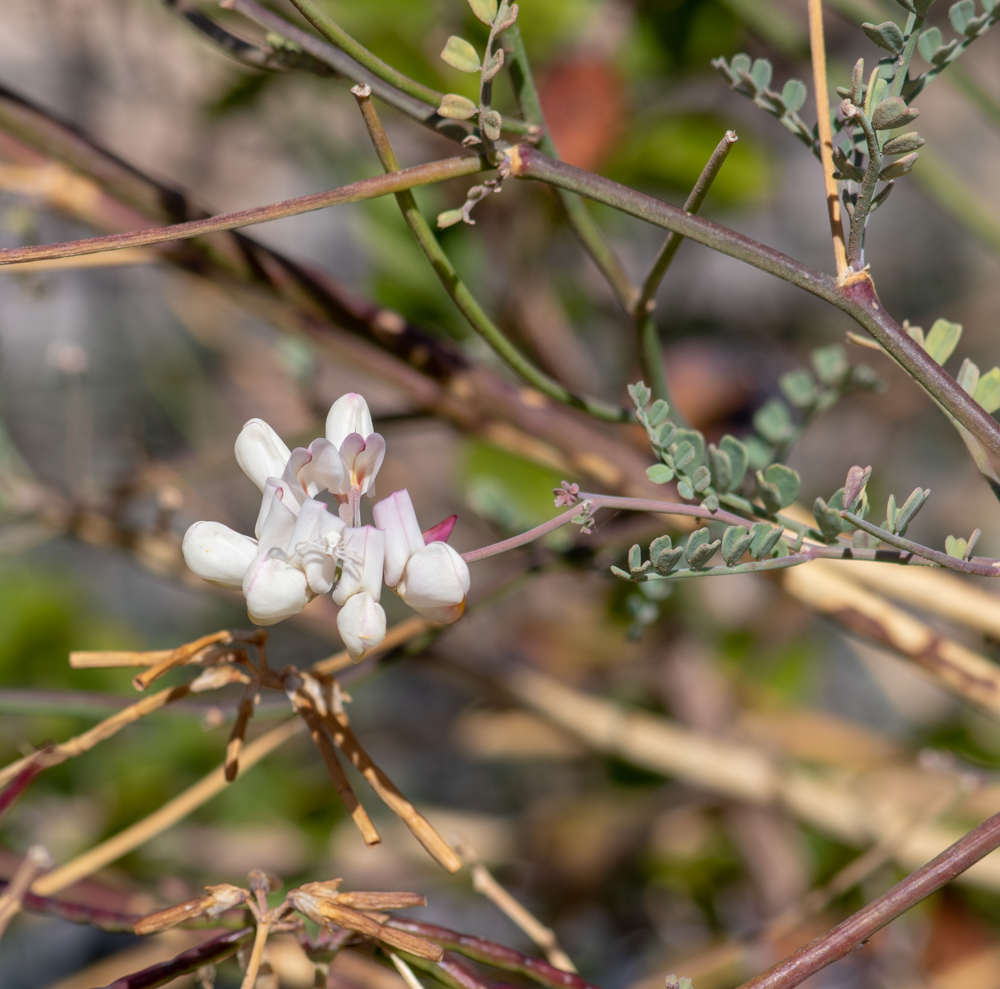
{"points": [[942, 339], [960, 14], [456, 107], [697, 442], [740, 63], [684, 488], [987, 392], [485, 10], [956, 547], [886, 35], [762, 72], [636, 566], [735, 542], [799, 388], [659, 474], [909, 509], [658, 412], [664, 555], [793, 95], [700, 556], [773, 421], [764, 538], [701, 479], [459, 54], [640, 394], [828, 521], [684, 455], [668, 431]]}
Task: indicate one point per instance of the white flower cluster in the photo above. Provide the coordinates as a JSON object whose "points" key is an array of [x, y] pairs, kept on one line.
{"points": [[302, 549]]}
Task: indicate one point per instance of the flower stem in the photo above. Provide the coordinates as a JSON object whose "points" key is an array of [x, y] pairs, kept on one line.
{"points": [[256, 955]]}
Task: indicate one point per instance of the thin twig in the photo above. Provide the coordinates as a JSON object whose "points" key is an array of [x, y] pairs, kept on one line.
{"points": [[19, 785], [169, 814], [345, 739], [817, 46], [396, 636], [372, 188], [405, 971], [467, 304], [841, 940], [256, 954], [37, 860]]}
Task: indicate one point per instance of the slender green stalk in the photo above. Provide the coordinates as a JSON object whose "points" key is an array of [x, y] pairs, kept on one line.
{"points": [[650, 353], [583, 224], [460, 294], [336, 35], [373, 188], [856, 296], [862, 207]]}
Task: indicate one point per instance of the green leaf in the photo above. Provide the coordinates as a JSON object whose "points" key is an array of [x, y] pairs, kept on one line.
{"points": [[899, 168], [765, 538], [683, 455], [658, 412], [735, 542], [943, 339], [697, 443], [762, 72], [697, 538], [459, 54], [621, 574], [456, 107], [956, 547], [930, 42], [778, 487], [491, 122], [829, 523], [987, 392], [701, 478], [892, 113], [640, 394], [799, 388], [659, 474], [684, 488], [886, 35], [664, 555], [449, 218], [485, 10], [722, 467], [914, 332], [793, 95], [738, 459], [903, 144], [700, 556], [740, 63], [773, 421], [909, 509], [968, 376], [830, 364], [846, 167], [960, 14], [666, 435], [636, 566]]}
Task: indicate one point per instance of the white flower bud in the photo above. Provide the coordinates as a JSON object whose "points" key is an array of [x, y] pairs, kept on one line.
{"points": [[403, 537], [361, 623], [261, 452], [435, 582], [274, 590], [349, 414], [218, 554]]}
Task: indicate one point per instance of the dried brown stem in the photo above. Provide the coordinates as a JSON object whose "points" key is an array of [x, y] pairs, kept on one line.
{"points": [[236, 737], [396, 636], [169, 814], [82, 743], [34, 862], [256, 954], [179, 656], [342, 734], [336, 772], [19, 785]]}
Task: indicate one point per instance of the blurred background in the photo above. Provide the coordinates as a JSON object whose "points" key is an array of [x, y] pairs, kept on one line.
{"points": [[124, 382]]}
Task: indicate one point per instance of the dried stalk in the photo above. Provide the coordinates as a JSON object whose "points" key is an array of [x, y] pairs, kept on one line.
{"points": [[398, 635], [485, 883], [37, 860], [56, 754], [345, 739], [844, 810], [818, 48], [965, 673], [169, 814], [189, 652], [210, 952], [256, 954], [339, 778], [491, 953]]}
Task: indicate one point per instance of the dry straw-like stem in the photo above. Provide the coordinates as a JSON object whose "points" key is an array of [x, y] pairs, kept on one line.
{"points": [[398, 635], [37, 860], [484, 882], [169, 814], [817, 47], [256, 954], [342, 734], [822, 587]]}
